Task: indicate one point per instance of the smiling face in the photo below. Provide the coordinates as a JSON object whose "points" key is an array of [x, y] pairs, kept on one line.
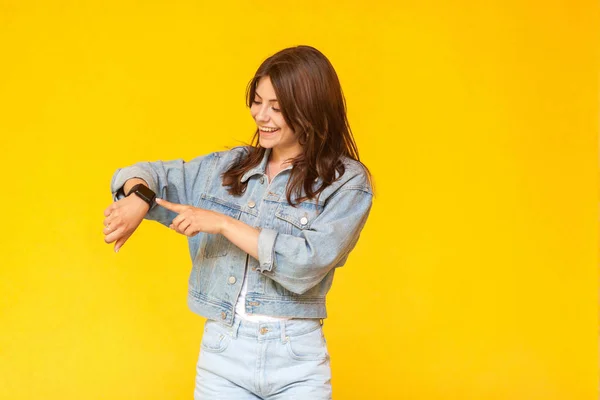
{"points": [[274, 133]]}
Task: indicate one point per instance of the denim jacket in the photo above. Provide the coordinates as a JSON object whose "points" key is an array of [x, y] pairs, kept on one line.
{"points": [[298, 247]]}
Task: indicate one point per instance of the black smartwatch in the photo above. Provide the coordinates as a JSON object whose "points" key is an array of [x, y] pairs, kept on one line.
{"points": [[144, 193]]}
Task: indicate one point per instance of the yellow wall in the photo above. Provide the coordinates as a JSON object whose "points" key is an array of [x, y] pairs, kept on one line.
{"points": [[476, 276]]}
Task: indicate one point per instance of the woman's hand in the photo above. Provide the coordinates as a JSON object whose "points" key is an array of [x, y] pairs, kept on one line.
{"points": [[192, 220], [122, 219]]}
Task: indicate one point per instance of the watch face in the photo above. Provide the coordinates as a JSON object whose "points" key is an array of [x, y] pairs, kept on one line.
{"points": [[144, 193]]}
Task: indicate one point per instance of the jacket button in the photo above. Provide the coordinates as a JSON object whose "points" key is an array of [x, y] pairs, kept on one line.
{"points": [[304, 220], [262, 180], [223, 315], [251, 204], [264, 330], [231, 280]]}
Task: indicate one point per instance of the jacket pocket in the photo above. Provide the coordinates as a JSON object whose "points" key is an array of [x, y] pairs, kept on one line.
{"points": [[292, 220], [217, 245]]}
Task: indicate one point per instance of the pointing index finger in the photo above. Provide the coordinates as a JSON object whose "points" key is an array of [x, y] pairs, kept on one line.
{"points": [[170, 206]]}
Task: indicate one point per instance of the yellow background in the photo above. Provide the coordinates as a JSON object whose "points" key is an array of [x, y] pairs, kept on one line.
{"points": [[476, 275]]}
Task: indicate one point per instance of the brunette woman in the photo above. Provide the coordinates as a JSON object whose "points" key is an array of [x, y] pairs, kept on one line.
{"points": [[267, 225]]}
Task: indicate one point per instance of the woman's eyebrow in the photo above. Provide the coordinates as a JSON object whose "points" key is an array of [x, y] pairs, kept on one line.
{"points": [[256, 93]]}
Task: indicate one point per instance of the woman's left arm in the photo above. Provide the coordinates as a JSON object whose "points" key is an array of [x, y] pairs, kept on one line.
{"points": [[298, 263], [192, 220]]}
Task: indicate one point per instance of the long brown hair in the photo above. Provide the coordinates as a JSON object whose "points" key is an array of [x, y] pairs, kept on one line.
{"points": [[313, 105]]}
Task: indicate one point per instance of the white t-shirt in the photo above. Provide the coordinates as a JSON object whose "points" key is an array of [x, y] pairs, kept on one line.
{"points": [[240, 307]]}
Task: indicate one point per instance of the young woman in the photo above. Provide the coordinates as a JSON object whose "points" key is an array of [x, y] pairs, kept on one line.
{"points": [[267, 224]]}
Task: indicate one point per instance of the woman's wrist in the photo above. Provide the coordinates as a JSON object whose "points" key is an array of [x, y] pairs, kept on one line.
{"points": [[141, 204]]}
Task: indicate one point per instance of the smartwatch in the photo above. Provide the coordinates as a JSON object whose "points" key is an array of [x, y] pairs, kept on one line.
{"points": [[144, 193]]}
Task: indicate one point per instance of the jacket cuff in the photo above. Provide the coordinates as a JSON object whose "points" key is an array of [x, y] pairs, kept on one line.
{"points": [[124, 174], [266, 249]]}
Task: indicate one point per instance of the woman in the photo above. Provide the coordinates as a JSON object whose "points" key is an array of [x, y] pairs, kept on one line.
{"points": [[267, 225]]}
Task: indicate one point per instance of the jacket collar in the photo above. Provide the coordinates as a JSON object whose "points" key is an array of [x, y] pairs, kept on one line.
{"points": [[259, 169]]}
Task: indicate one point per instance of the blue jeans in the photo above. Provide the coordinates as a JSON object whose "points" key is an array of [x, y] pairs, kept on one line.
{"points": [[276, 360]]}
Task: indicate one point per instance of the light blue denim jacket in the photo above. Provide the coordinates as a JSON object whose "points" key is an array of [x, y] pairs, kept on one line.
{"points": [[298, 247]]}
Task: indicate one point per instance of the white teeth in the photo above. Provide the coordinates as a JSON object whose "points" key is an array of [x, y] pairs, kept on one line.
{"points": [[265, 129]]}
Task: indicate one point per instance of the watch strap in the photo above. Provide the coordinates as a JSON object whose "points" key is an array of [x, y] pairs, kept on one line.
{"points": [[144, 193]]}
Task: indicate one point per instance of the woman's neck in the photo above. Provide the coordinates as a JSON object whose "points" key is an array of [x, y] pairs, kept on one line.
{"points": [[279, 156]]}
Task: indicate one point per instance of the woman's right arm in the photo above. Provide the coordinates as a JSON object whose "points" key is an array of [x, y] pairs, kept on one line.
{"points": [[177, 181], [123, 217]]}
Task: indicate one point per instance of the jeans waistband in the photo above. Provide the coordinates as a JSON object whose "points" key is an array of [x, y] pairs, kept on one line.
{"points": [[271, 330]]}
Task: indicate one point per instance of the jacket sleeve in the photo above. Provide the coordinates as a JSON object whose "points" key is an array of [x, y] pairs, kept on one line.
{"points": [[176, 181], [300, 262]]}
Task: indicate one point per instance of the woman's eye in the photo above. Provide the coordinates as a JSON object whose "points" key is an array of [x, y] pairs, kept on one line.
{"points": [[257, 102], [276, 109]]}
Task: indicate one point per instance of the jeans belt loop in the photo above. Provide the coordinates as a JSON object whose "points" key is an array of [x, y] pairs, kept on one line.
{"points": [[236, 327], [282, 329]]}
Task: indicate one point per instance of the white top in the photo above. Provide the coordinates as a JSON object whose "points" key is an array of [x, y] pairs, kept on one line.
{"points": [[240, 307]]}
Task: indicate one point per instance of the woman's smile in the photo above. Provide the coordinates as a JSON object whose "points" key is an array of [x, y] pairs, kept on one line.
{"points": [[268, 128]]}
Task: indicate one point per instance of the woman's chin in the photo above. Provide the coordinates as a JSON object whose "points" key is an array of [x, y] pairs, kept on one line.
{"points": [[266, 142]]}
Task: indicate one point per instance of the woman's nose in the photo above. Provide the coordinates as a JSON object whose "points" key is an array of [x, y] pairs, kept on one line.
{"points": [[262, 114]]}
